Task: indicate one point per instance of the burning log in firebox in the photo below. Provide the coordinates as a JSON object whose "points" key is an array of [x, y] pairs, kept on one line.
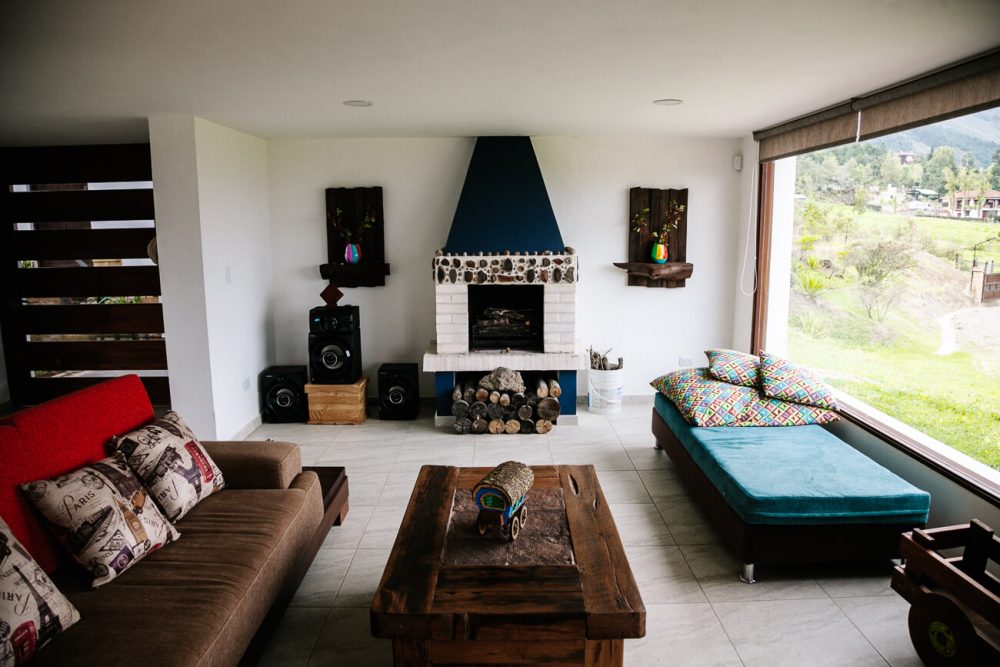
{"points": [[501, 403]]}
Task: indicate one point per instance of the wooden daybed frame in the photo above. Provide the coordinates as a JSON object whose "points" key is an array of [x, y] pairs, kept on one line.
{"points": [[778, 544]]}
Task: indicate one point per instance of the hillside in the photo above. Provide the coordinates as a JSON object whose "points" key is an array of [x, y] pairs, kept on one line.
{"points": [[978, 134]]}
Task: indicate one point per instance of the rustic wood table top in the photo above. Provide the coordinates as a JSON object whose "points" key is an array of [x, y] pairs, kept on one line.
{"points": [[593, 598]]}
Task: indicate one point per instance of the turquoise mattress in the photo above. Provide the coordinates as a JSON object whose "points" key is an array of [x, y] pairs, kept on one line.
{"points": [[796, 475]]}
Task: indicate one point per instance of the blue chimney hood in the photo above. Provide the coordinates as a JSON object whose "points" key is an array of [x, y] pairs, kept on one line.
{"points": [[504, 204]]}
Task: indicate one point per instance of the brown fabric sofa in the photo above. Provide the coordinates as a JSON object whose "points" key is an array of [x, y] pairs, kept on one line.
{"points": [[201, 600]]}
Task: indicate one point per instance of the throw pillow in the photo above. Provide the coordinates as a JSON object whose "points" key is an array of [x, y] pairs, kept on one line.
{"points": [[734, 367], [32, 610], [102, 515], [702, 400], [784, 380], [763, 411], [171, 463]]}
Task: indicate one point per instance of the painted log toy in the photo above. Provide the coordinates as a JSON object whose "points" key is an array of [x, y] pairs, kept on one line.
{"points": [[500, 498]]}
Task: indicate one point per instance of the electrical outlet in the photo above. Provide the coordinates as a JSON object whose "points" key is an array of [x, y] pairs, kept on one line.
{"points": [[685, 362], [246, 384], [229, 275]]}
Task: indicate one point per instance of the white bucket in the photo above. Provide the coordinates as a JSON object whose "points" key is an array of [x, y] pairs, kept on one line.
{"points": [[604, 391]]}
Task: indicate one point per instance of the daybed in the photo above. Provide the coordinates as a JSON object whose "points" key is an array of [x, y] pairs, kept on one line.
{"points": [[197, 601], [791, 494]]}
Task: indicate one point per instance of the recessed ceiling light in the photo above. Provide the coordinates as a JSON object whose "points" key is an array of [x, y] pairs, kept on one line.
{"points": [[358, 103], [668, 102]]}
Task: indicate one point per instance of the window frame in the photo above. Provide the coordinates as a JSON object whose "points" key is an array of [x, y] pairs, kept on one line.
{"points": [[868, 420]]}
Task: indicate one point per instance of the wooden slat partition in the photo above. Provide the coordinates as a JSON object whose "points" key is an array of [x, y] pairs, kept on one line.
{"points": [[46, 209], [37, 390], [82, 243], [88, 281], [76, 164], [97, 355], [57, 206], [94, 318]]}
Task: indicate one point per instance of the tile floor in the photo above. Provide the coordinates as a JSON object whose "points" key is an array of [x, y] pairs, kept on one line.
{"points": [[698, 613]]}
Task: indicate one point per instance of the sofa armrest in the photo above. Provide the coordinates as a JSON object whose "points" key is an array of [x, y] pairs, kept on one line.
{"points": [[249, 464]]}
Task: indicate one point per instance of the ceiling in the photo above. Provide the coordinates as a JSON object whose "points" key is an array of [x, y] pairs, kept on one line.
{"points": [[79, 72]]}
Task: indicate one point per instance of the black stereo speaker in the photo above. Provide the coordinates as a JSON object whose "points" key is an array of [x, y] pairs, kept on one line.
{"points": [[283, 395], [335, 345], [398, 391]]}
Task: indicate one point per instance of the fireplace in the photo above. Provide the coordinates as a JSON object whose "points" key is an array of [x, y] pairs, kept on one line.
{"points": [[506, 317]]}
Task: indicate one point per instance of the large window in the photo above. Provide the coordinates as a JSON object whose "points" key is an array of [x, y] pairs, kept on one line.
{"points": [[885, 275]]}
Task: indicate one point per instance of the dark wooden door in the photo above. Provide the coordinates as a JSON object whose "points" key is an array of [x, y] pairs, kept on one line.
{"points": [[80, 297]]}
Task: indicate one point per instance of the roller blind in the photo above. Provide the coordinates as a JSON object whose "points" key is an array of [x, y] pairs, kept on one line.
{"points": [[958, 89]]}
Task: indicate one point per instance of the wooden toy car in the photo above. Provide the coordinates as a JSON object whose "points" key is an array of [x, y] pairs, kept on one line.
{"points": [[500, 498], [955, 602]]}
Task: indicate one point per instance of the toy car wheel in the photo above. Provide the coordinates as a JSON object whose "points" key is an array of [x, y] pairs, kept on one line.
{"points": [[481, 524], [941, 632], [515, 527], [524, 515]]}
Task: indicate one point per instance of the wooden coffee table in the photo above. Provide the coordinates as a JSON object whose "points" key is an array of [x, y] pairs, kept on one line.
{"points": [[562, 593]]}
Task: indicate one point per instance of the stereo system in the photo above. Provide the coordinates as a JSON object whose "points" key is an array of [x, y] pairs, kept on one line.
{"points": [[398, 391], [282, 394], [335, 345]]}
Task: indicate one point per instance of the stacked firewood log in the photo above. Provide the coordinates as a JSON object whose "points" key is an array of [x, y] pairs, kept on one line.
{"points": [[511, 409]]}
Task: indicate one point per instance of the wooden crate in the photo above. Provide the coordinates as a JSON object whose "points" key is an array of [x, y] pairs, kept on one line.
{"points": [[337, 403]]}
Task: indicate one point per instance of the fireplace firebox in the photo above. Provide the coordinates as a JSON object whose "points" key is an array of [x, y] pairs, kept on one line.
{"points": [[506, 316]]}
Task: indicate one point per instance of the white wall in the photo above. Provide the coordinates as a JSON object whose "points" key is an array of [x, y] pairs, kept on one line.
{"points": [[182, 281], [588, 181], [746, 262], [210, 191], [236, 253]]}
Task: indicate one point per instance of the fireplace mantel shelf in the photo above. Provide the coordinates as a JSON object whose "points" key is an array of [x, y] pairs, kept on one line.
{"points": [[355, 275], [487, 360]]}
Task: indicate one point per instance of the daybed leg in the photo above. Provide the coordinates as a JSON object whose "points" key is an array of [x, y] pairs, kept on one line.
{"points": [[656, 444], [747, 575]]}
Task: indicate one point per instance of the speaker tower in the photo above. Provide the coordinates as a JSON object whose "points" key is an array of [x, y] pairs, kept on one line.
{"points": [[282, 395], [398, 391], [335, 345]]}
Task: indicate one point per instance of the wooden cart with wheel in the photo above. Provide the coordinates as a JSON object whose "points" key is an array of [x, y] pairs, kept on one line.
{"points": [[500, 498], [955, 601]]}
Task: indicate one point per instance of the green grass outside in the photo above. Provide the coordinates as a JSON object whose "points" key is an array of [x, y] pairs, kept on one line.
{"points": [[891, 365]]}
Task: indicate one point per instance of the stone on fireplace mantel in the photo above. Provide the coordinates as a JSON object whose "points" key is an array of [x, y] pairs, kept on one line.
{"points": [[487, 360]]}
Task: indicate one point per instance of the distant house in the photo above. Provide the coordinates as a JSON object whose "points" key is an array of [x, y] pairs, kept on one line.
{"points": [[905, 158], [967, 204], [922, 193]]}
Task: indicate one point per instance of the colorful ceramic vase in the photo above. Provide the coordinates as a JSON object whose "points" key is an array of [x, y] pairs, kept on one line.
{"points": [[352, 253], [659, 253]]}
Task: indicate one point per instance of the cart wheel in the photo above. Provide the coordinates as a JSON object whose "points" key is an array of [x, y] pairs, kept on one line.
{"points": [[481, 524], [515, 527], [524, 515], [941, 632]]}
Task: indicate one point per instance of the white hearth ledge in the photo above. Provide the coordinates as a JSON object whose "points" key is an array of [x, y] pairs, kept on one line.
{"points": [[487, 360]]}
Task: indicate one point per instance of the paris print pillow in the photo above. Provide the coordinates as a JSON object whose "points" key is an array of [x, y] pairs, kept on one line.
{"points": [[32, 610], [103, 516], [172, 464]]}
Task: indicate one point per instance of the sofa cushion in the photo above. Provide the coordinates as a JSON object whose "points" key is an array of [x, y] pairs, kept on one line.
{"points": [[734, 367], [214, 587], [703, 400], [59, 436], [24, 589], [102, 514], [171, 463], [802, 475], [786, 381]]}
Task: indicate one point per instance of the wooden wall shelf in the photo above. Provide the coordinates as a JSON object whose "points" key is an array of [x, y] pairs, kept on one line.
{"points": [[652, 206], [355, 275], [673, 271], [347, 209]]}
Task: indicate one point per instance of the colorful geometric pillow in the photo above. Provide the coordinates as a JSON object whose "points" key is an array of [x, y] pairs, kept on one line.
{"points": [[782, 379], [703, 400], [734, 367], [32, 610], [774, 412], [102, 515], [172, 464]]}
